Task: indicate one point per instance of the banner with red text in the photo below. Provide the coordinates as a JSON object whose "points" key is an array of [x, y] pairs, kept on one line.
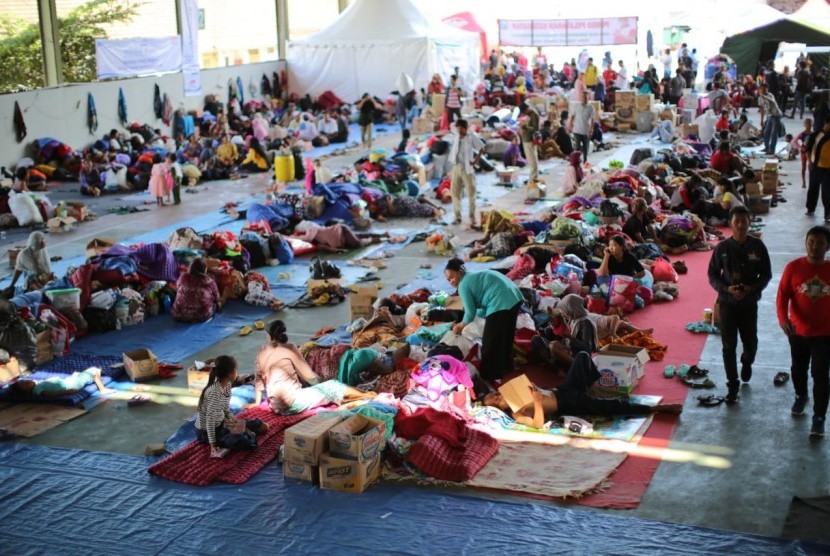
{"points": [[568, 32]]}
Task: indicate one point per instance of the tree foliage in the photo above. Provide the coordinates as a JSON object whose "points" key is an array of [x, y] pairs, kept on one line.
{"points": [[21, 58]]}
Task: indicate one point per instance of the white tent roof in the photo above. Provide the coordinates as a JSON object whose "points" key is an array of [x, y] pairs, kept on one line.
{"points": [[382, 20], [815, 13], [371, 43]]}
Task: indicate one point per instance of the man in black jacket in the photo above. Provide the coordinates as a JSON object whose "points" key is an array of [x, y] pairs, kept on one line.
{"points": [[739, 270]]}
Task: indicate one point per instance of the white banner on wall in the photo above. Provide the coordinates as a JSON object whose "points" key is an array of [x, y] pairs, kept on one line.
{"points": [[568, 32], [142, 56], [190, 48]]}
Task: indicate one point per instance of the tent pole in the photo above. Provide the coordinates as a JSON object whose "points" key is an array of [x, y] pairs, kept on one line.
{"points": [[282, 27], [50, 43]]}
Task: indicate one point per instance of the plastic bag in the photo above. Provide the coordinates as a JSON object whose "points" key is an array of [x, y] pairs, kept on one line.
{"points": [[24, 208], [18, 339]]}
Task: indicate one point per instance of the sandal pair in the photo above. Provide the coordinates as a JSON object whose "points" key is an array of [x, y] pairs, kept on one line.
{"points": [[781, 379]]}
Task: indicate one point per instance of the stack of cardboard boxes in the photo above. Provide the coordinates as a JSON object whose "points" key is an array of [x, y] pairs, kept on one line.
{"points": [[626, 108], [759, 195], [335, 450]]}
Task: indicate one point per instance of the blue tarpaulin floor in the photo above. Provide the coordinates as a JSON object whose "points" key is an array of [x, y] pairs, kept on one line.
{"points": [[59, 501]]}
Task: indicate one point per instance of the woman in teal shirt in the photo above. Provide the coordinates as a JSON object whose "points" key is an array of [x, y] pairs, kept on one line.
{"points": [[492, 295]]}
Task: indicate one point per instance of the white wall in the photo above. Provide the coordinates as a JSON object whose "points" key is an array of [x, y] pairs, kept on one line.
{"points": [[61, 112]]}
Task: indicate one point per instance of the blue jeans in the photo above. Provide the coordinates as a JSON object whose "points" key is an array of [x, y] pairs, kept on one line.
{"points": [[799, 100], [582, 144], [232, 441], [771, 133]]}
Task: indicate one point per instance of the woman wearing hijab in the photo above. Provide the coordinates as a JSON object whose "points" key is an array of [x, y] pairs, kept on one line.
{"points": [[574, 174], [492, 294], [33, 264]]}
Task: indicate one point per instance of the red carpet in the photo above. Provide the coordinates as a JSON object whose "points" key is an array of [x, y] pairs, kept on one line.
{"points": [[192, 465], [669, 322]]}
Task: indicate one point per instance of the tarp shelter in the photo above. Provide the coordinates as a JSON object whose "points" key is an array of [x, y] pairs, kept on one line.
{"points": [[371, 43], [761, 43]]}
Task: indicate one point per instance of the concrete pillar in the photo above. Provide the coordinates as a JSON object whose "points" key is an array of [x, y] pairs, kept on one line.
{"points": [[282, 27], [50, 43]]}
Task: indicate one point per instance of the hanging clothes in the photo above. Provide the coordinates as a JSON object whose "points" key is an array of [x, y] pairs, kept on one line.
{"points": [[167, 110], [158, 105], [91, 113], [276, 86], [122, 107], [265, 86], [241, 90], [232, 93], [19, 124]]}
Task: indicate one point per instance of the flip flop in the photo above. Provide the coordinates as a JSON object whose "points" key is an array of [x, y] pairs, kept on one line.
{"points": [[245, 330], [259, 325], [669, 371], [781, 379], [705, 383], [710, 401], [683, 370], [138, 399]]}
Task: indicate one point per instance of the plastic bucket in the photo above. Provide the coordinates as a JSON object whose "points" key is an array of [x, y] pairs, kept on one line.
{"points": [[284, 168], [68, 299]]}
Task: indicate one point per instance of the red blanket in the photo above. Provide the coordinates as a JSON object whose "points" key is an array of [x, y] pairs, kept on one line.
{"points": [[446, 449], [193, 465]]}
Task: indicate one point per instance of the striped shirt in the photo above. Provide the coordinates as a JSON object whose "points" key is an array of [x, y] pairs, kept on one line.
{"points": [[214, 409]]}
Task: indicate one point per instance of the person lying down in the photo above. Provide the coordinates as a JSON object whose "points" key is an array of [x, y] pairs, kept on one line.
{"points": [[572, 398], [60, 386]]}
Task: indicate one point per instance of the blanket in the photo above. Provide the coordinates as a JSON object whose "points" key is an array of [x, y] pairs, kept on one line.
{"points": [[193, 465]]}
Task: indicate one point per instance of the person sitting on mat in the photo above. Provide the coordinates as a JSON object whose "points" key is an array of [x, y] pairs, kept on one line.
{"points": [[215, 424], [59, 385], [572, 398], [618, 260], [574, 329], [33, 264], [282, 370], [197, 295]]}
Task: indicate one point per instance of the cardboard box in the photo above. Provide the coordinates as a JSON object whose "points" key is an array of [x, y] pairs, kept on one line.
{"points": [[77, 210], [306, 441], [13, 252], [357, 438], [759, 204], [98, 246], [421, 126], [620, 367], [197, 376], [348, 475], [626, 114], [439, 103], [44, 351], [9, 371], [770, 165], [625, 99], [644, 103], [141, 364], [312, 283], [295, 471], [753, 189], [59, 225], [690, 129], [769, 182], [361, 300], [517, 392]]}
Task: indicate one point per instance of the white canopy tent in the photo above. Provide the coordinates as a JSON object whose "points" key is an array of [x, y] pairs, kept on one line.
{"points": [[371, 43]]}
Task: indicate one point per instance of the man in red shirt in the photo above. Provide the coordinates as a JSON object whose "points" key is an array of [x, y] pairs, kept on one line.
{"points": [[803, 305]]}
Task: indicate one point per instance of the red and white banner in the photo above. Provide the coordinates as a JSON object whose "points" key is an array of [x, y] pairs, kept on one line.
{"points": [[568, 32]]}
